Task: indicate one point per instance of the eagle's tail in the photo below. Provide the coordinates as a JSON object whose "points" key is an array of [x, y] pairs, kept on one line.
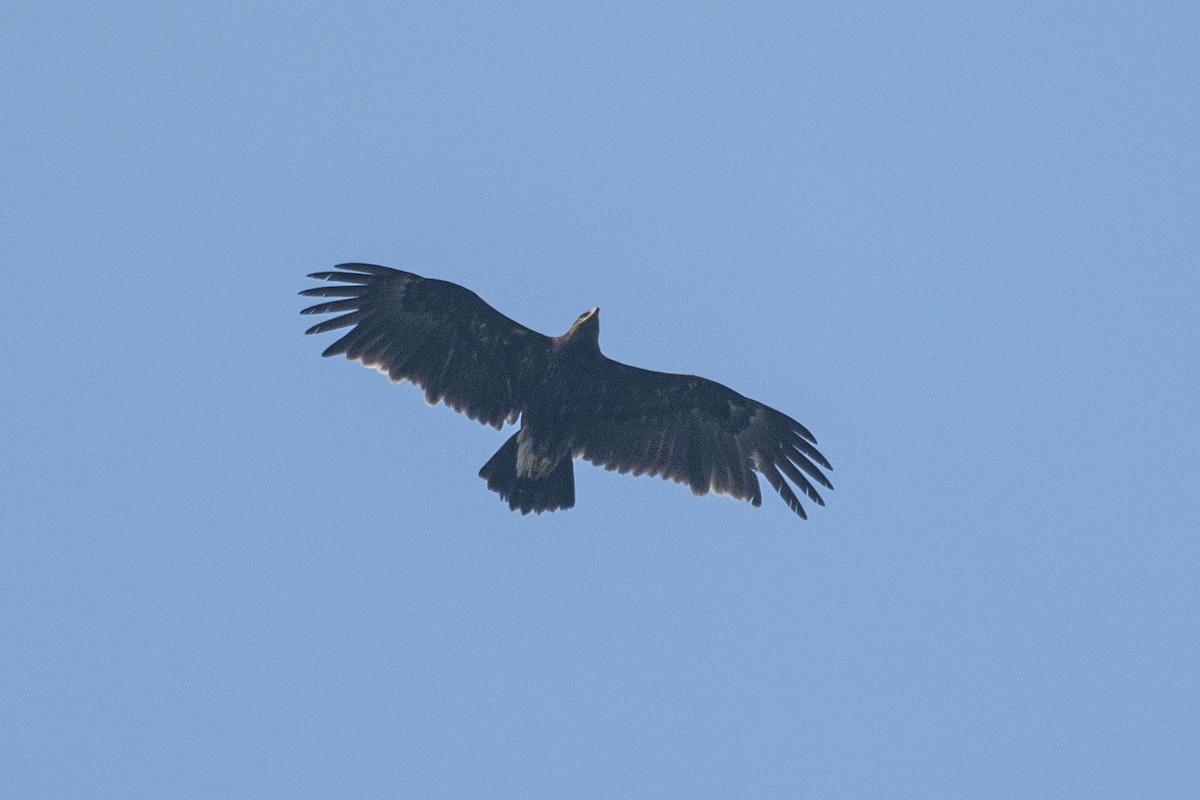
{"points": [[555, 490]]}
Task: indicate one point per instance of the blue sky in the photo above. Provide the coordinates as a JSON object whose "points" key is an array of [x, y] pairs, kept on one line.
{"points": [[958, 242]]}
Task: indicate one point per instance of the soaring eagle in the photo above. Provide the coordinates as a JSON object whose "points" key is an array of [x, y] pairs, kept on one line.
{"points": [[572, 401]]}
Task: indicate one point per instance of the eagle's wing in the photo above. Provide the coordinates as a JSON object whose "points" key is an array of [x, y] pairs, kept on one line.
{"points": [[696, 431], [438, 335]]}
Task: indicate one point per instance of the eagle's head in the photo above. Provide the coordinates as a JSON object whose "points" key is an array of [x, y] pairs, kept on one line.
{"points": [[585, 330]]}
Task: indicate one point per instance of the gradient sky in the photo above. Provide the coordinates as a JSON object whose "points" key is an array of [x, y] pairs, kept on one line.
{"points": [[960, 242]]}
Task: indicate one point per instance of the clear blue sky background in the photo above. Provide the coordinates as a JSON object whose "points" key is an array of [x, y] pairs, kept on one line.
{"points": [[961, 242]]}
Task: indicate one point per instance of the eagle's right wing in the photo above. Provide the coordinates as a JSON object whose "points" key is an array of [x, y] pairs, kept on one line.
{"points": [[696, 431], [439, 335]]}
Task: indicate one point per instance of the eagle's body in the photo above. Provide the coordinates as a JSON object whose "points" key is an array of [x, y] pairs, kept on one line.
{"points": [[572, 401]]}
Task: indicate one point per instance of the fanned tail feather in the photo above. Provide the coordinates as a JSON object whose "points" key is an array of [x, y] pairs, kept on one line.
{"points": [[556, 490]]}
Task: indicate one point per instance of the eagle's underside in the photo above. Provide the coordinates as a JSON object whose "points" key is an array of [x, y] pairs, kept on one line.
{"points": [[571, 400]]}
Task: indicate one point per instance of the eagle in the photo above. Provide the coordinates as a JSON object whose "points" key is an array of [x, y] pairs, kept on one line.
{"points": [[572, 401]]}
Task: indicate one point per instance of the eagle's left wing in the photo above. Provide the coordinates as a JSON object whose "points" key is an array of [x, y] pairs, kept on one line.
{"points": [[437, 334], [696, 431]]}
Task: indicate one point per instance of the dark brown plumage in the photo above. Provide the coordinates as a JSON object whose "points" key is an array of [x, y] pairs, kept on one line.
{"points": [[572, 401]]}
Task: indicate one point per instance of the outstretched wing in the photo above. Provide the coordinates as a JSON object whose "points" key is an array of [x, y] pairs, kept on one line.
{"points": [[696, 431], [439, 335]]}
